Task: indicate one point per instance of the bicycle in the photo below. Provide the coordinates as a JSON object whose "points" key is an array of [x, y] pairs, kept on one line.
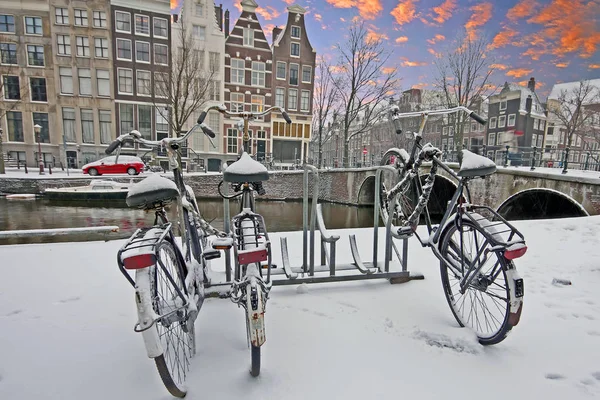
{"points": [[169, 278], [475, 245], [251, 242]]}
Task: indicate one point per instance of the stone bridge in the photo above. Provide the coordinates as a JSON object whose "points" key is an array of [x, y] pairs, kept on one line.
{"points": [[514, 192]]}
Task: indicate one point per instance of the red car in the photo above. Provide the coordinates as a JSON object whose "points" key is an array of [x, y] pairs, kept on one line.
{"points": [[126, 165]]}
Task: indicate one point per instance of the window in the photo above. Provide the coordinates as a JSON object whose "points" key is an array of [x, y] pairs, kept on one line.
{"points": [[83, 46], [161, 84], [61, 16], [305, 100], [101, 47], [237, 70], [248, 37], [292, 99], [295, 33], [66, 80], [445, 130], [143, 83], [33, 25], [104, 116], [87, 125], [536, 124], [12, 88], [41, 119], [214, 90], [492, 122], [213, 62], [161, 28], [550, 129], [258, 103], [533, 140], [162, 125], [502, 121], [280, 97], [123, 21], [232, 142], [161, 54], [64, 45], [125, 80], [237, 102], [199, 58], [295, 49], [511, 119], [466, 128], [14, 123], [125, 118], [503, 105], [281, 67], [81, 18], [306, 73], [142, 25], [293, 74], [145, 121], [492, 139], [85, 81], [7, 23], [8, 53], [214, 122], [38, 89], [123, 49], [142, 52], [199, 32], [103, 81], [543, 124], [99, 19], [258, 73]]}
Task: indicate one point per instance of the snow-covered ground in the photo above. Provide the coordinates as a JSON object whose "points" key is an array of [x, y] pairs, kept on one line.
{"points": [[67, 316]]}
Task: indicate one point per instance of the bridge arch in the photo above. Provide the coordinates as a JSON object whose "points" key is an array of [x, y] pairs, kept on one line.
{"points": [[540, 203]]}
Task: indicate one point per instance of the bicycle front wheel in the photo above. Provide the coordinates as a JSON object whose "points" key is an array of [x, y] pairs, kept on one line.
{"points": [[175, 333], [484, 306], [406, 200]]}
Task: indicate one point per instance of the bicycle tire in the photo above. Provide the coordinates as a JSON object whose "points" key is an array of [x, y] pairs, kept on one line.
{"points": [[174, 362], [487, 335], [405, 204]]}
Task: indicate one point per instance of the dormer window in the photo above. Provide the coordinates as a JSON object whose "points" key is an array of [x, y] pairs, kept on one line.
{"points": [[295, 33], [248, 37]]}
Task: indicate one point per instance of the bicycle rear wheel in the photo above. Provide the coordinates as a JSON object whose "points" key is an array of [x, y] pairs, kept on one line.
{"points": [[176, 336], [407, 198], [484, 306]]}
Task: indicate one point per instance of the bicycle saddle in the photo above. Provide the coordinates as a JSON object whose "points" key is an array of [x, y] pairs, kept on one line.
{"points": [[246, 170], [475, 165], [154, 189]]}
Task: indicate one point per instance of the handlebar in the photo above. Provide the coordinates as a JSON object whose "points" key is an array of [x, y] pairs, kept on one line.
{"points": [[244, 114], [136, 136], [397, 115]]}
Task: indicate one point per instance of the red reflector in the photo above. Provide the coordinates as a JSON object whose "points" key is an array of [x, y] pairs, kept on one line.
{"points": [[139, 261], [512, 254], [252, 257]]}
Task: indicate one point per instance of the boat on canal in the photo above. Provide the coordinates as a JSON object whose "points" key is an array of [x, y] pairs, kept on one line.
{"points": [[96, 190]]}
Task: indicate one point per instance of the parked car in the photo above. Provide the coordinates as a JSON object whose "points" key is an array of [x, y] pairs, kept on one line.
{"points": [[126, 165]]}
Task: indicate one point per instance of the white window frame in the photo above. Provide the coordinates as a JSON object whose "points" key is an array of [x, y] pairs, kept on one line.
{"points": [[119, 80], [310, 74], [97, 15], [491, 139], [60, 80], [248, 37], [237, 106], [299, 32], [291, 51], [259, 73], [161, 45], [137, 83], [107, 81], [502, 121], [502, 105], [290, 91], [166, 76], [511, 120], [154, 20], [116, 22], [103, 41], [14, 24], [63, 18], [302, 93], [284, 70], [258, 106], [297, 76], [25, 25], [199, 32], [87, 78], [130, 49], [232, 136], [149, 52], [232, 68], [43, 56], [135, 29], [277, 92], [492, 123], [83, 15]]}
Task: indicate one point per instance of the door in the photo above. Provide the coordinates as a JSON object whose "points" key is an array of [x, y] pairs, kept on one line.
{"points": [[260, 150], [72, 159]]}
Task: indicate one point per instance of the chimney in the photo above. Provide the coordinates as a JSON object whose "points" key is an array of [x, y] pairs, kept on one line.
{"points": [[175, 18], [531, 84], [226, 23], [219, 15], [276, 32], [528, 102]]}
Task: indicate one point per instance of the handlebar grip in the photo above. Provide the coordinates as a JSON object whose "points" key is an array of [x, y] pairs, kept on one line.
{"points": [[202, 117], [286, 117], [397, 126], [477, 118], [113, 146], [206, 129]]}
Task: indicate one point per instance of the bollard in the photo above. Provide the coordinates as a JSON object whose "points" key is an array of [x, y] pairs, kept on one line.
{"points": [[50, 169], [533, 159], [566, 161], [587, 160], [26, 168], [506, 157]]}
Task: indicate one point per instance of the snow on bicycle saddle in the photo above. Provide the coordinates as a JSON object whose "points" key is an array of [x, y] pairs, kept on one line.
{"points": [[245, 170], [475, 165], [153, 189]]}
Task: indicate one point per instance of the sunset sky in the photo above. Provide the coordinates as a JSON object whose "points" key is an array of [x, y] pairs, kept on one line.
{"points": [[551, 40]]}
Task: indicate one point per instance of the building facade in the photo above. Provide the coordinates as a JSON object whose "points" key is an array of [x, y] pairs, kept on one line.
{"points": [[294, 61]]}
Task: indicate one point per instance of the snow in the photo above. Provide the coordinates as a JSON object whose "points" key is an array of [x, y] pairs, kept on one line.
{"points": [[246, 166], [152, 183], [473, 161], [67, 317], [569, 89]]}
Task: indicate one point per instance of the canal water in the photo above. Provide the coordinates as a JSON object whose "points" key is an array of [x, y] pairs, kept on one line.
{"points": [[41, 213]]}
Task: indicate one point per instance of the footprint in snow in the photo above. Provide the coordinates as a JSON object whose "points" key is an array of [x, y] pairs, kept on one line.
{"points": [[596, 375], [69, 299], [590, 317], [388, 323], [587, 381], [555, 376], [15, 312], [459, 345]]}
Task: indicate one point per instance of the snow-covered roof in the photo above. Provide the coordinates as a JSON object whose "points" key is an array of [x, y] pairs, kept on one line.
{"points": [[570, 88], [526, 92]]}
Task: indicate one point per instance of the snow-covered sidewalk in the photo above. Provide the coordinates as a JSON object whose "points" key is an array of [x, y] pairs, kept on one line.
{"points": [[67, 316]]}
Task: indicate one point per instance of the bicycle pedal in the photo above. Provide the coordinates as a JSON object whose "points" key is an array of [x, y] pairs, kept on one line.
{"points": [[211, 254], [405, 232]]}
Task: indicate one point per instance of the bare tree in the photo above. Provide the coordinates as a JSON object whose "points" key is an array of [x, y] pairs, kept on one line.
{"points": [[362, 85], [324, 105], [187, 86], [8, 90], [463, 76]]}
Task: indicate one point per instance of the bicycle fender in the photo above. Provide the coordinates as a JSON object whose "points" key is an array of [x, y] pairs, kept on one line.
{"points": [[146, 315], [516, 303], [255, 314]]}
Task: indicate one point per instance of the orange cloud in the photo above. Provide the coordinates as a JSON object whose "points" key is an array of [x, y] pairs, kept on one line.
{"points": [[402, 39], [569, 26], [436, 38], [407, 63], [419, 85], [562, 64], [368, 9], [268, 29], [268, 12], [519, 72], [538, 84], [501, 67], [405, 12], [238, 6], [434, 53], [533, 53], [481, 15], [523, 9], [318, 17], [594, 66], [443, 12], [503, 38], [388, 70], [289, 2], [336, 69], [373, 36]]}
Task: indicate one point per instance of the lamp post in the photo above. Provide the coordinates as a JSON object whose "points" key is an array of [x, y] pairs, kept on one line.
{"points": [[2, 171], [37, 129]]}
